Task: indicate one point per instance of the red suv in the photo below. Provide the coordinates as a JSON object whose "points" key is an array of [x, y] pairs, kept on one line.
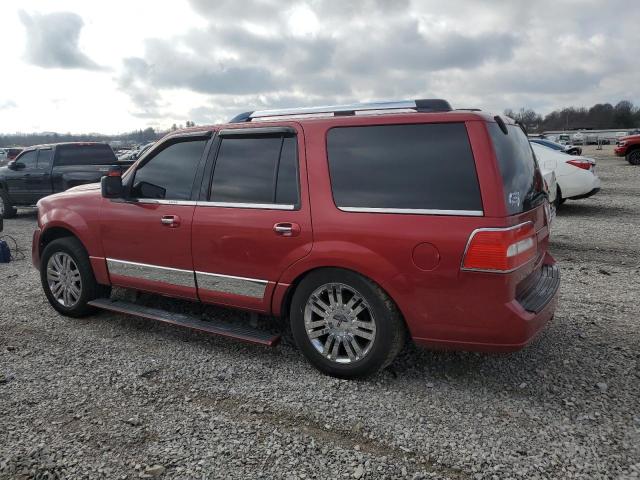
{"points": [[361, 223]]}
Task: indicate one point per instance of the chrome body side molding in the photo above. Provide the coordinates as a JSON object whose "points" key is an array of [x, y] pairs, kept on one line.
{"points": [[155, 273], [213, 282], [414, 211], [247, 287]]}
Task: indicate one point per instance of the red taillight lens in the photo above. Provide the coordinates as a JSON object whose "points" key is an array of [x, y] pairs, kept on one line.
{"points": [[500, 249], [583, 164], [114, 171]]}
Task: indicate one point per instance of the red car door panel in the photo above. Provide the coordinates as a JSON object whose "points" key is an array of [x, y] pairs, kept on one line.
{"points": [[147, 240], [148, 254]]}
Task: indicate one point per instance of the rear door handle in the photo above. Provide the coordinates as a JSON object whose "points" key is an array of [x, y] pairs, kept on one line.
{"points": [[171, 221], [286, 229]]}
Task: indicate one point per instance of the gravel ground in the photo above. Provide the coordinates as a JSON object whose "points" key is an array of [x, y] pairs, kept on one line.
{"points": [[116, 397]]}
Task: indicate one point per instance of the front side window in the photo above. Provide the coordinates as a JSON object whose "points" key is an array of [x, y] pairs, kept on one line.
{"points": [[256, 170], [404, 167], [169, 174], [28, 159]]}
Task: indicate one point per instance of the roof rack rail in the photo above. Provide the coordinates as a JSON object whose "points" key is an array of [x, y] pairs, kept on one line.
{"points": [[420, 105]]}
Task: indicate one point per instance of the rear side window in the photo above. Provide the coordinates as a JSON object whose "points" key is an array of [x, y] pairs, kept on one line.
{"points": [[414, 167], [98, 154], [521, 176], [256, 170], [169, 175]]}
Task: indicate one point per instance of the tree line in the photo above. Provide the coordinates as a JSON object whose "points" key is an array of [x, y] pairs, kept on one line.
{"points": [[135, 137], [601, 116]]}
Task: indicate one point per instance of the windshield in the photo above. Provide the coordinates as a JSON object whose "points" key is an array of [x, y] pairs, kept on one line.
{"points": [[550, 144], [521, 178]]}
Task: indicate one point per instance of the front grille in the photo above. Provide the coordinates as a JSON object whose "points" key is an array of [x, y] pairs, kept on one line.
{"points": [[539, 289]]}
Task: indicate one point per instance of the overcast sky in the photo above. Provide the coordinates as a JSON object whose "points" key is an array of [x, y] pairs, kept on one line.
{"points": [[93, 66]]}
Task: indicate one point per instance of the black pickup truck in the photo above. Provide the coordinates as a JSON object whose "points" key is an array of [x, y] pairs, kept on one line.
{"points": [[45, 169]]}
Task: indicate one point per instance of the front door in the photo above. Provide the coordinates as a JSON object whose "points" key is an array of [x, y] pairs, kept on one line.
{"points": [[19, 180], [147, 239], [254, 220]]}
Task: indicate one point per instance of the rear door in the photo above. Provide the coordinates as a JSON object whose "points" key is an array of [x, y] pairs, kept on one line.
{"points": [[254, 219], [147, 239]]}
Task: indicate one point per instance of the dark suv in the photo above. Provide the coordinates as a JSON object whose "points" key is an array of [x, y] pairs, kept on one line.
{"points": [[361, 223]]}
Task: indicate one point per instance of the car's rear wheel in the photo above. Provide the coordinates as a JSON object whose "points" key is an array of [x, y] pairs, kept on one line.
{"points": [[67, 278], [345, 324], [634, 157], [559, 200], [6, 209]]}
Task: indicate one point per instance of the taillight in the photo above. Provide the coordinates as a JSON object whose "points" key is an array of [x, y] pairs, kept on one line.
{"points": [[500, 250], [583, 164]]}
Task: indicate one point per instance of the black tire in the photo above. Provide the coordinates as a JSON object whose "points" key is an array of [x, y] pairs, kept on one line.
{"points": [[559, 200], [7, 210], [89, 289], [390, 328], [634, 157]]}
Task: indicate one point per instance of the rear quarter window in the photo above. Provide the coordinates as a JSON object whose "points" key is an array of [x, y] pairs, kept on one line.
{"points": [[404, 167], [85, 155]]}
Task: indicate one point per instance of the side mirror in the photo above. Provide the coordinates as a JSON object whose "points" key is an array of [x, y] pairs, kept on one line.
{"points": [[13, 165], [112, 184]]}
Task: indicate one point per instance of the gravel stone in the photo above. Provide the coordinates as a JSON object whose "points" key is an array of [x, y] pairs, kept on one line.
{"points": [[111, 396]]}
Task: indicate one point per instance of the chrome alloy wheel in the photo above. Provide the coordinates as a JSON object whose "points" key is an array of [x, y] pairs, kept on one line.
{"points": [[64, 279], [339, 323]]}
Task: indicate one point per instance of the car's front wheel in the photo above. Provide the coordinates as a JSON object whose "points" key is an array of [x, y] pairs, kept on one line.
{"points": [[67, 278], [345, 324], [634, 157], [6, 209]]}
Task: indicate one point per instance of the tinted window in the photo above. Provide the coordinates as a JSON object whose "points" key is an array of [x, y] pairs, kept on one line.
{"points": [[287, 183], [44, 158], [28, 159], [256, 170], [520, 174], [99, 154], [426, 166], [170, 173]]}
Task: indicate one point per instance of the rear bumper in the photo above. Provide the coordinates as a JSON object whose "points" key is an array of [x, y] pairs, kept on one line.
{"points": [[513, 325], [591, 193], [35, 249]]}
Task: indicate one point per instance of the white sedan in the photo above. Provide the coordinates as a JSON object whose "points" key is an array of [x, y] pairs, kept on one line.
{"points": [[575, 175]]}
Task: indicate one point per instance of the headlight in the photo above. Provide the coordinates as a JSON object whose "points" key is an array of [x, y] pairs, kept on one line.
{"points": [[622, 143]]}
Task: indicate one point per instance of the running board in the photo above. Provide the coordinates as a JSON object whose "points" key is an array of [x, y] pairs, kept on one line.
{"points": [[238, 332]]}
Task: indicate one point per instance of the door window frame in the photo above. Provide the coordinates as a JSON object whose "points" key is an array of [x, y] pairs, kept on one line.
{"points": [[206, 188], [129, 177]]}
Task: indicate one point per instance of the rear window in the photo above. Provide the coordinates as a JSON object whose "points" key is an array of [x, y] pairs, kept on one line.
{"points": [[521, 176], [85, 155], [404, 167]]}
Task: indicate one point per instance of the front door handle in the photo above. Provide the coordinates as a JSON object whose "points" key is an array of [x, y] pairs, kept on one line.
{"points": [[286, 229], [171, 221]]}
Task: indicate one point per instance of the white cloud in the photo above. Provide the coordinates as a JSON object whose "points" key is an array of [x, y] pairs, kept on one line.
{"points": [[206, 61]]}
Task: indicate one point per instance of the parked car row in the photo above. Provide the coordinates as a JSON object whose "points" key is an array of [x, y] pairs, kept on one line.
{"points": [[41, 170]]}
